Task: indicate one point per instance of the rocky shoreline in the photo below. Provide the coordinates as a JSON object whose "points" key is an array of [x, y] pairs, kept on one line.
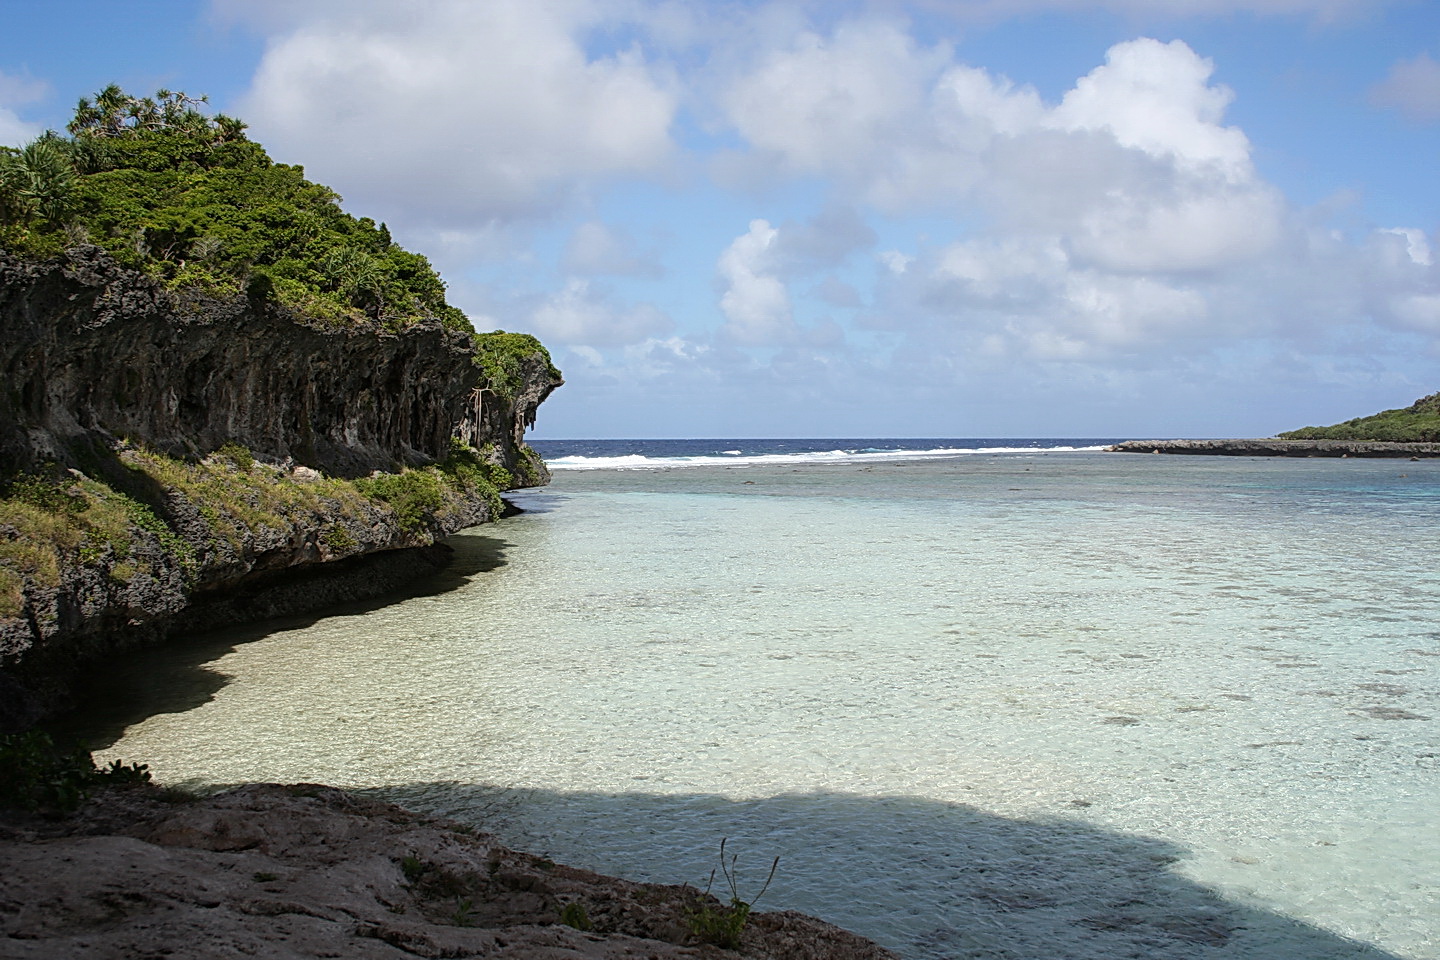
{"points": [[208, 461], [1281, 448], [310, 871]]}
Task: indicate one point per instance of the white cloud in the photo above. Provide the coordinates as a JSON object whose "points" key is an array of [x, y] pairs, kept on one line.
{"points": [[825, 240], [755, 302], [1156, 97], [458, 112], [1420, 311], [1413, 88], [596, 249], [16, 91], [1324, 11], [833, 105], [1202, 231], [583, 313]]}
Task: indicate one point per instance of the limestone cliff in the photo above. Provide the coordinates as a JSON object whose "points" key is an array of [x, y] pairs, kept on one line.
{"points": [[174, 461]]}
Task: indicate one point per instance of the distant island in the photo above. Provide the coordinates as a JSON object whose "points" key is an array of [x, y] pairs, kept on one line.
{"points": [[1412, 431]]}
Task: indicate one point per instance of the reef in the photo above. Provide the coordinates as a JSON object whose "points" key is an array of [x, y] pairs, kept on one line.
{"points": [[1281, 448]]}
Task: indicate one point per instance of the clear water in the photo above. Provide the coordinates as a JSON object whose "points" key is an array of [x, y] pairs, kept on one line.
{"points": [[993, 705]]}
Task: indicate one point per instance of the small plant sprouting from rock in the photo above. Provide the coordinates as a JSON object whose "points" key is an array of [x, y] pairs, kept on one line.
{"points": [[722, 924], [413, 867], [573, 914]]}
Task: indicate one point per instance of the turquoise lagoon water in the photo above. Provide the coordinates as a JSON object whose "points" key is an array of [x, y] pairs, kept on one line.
{"points": [[1004, 704]]}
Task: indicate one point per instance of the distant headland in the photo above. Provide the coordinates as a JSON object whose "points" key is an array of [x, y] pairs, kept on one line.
{"points": [[1412, 431]]}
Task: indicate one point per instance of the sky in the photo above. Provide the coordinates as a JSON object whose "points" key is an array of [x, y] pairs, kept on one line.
{"points": [[895, 218]]}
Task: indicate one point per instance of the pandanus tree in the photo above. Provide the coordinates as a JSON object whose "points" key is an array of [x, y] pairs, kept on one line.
{"points": [[38, 181], [114, 113]]}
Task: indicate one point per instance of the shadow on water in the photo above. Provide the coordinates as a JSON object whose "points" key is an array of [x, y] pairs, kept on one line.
{"points": [[173, 676], [926, 878]]}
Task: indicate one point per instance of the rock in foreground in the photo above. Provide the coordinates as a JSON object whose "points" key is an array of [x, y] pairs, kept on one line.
{"points": [[309, 871]]}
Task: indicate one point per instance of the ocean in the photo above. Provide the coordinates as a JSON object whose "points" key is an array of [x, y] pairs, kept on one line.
{"points": [[983, 698]]}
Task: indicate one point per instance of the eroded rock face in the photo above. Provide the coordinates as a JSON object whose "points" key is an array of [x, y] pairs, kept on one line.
{"points": [[91, 351], [98, 364], [309, 871]]}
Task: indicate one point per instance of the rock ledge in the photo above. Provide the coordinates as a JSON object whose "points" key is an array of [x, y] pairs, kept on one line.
{"points": [[1281, 448], [309, 871]]}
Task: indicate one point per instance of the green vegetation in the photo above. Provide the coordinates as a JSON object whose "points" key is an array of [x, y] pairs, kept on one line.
{"points": [[722, 924], [1417, 423], [188, 199], [502, 357], [574, 914], [37, 775], [54, 519]]}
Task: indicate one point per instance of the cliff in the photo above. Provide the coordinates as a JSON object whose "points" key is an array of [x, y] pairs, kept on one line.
{"points": [[172, 460]]}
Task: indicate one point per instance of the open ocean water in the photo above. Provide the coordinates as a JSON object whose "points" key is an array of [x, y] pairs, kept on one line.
{"points": [[989, 699]]}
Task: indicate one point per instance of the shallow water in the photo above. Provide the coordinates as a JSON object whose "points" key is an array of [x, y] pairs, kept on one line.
{"points": [[1010, 705]]}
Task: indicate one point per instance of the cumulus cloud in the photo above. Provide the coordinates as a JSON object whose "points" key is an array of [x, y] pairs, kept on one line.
{"points": [[455, 111], [1413, 88], [1111, 215], [831, 105], [586, 314], [1156, 97], [755, 302]]}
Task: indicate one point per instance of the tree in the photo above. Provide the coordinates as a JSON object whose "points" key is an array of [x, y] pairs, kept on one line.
{"points": [[40, 181]]}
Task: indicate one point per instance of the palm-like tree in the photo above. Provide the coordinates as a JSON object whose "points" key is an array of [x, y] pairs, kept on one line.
{"points": [[38, 181], [357, 276]]}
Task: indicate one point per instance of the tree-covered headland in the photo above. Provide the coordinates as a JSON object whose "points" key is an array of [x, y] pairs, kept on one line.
{"points": [[190, 200], [114, 529], [1417, 423]]}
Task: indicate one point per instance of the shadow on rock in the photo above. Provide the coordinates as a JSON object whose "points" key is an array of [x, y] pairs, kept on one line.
{"points": [[925, 878], [175, 675]]}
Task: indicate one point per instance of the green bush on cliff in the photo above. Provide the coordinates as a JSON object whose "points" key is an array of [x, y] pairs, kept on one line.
{"points": [[190, 200], [502, 356], [1417, 423], [51, 520], [414, 495], [54, 520]]}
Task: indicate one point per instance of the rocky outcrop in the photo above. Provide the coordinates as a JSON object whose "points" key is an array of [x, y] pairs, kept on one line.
{"points": [[1281, 448], [308, 871], [91, 351], [125, 392]]}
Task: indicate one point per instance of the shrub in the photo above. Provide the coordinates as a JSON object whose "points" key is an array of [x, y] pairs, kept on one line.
{"points": [[35, 774], [722, 924]]}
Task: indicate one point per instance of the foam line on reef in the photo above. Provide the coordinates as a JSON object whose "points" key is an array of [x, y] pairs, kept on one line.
{"points": [[728, 459]]}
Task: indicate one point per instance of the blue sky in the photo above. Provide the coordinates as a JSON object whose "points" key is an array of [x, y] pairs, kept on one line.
{"points": [[946, 218]]}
